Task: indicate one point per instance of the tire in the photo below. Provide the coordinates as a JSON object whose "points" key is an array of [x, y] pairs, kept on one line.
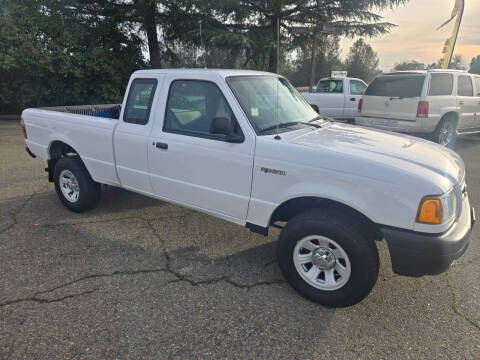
{"points": [[446, 133], [351, 246], [74, 185]]}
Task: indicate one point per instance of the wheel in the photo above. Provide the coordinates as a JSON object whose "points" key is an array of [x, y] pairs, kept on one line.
{"points": [[446, 133], [74, 185], [328, 260]]}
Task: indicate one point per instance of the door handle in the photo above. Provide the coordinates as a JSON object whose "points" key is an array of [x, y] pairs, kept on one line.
{"points": [[160, 145], [353, 99], [461, 103]]}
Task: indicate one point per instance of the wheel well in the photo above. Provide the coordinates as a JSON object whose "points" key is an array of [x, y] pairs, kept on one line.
{"points": [[56, 151], [289, 209], [450, 115]]}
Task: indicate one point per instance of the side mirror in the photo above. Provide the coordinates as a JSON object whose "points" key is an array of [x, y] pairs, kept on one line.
{"points": [[224, 126]]}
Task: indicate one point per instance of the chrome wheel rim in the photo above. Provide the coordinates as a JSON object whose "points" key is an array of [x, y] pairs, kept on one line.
{"points": [[69, 186], [447, 132], [322, 262]]}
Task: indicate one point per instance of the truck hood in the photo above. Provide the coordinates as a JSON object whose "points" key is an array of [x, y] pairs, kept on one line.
{"points": [[391, 149]]}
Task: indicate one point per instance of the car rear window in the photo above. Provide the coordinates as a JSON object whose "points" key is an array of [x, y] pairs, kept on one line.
{"points": [[396, 86], [441, 84], [477, 82]]}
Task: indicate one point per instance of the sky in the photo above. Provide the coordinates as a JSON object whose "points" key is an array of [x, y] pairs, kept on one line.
{"points": [[417, 37]]}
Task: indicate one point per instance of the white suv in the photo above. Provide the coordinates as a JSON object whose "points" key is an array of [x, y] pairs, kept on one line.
{"points": [[441, 103]]}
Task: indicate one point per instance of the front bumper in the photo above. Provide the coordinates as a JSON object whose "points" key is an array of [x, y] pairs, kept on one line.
{"points": [[417, 254]]}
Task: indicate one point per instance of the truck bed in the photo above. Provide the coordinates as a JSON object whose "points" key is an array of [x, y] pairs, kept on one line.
{"points": [[88, 129]]}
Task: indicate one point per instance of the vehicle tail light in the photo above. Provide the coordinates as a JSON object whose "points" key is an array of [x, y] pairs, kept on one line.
{"points": [[22, 123], [360, 105], [422, 111]]}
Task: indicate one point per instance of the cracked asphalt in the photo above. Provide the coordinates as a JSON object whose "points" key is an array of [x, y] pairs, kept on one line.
{"points": [[137, 278]]}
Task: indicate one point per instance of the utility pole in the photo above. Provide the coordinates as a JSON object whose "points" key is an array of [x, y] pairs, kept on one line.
{"points": [[313, 62], [315, 30]]}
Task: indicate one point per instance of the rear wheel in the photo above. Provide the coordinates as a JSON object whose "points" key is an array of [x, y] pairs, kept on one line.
{"points": [[446, 133], [328, 260], [74, 185]]}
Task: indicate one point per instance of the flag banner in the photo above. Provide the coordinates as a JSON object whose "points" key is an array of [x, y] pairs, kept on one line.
{"points": [[450, 43]]}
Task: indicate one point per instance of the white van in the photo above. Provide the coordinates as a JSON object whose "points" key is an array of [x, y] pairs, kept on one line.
{"points": [[438, 103]]}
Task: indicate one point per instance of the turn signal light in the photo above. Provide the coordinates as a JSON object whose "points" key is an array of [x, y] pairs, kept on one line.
{"points": [[430, 211]]}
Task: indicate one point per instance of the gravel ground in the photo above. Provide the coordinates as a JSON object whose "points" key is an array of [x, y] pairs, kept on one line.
{"points": [[137, 278]]}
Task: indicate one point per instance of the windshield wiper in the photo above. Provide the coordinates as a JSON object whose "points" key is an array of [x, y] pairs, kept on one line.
{"points": [[281, 125]]}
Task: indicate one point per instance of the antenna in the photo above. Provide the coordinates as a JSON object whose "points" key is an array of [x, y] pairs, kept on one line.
{"points": [[277, 137], [201, 45]]}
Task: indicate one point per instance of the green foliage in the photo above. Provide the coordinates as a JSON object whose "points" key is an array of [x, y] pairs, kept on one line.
{"points": [[409, 65], [298, 68], [475, 65], [52, 55], [362, 61], [62, 52]]}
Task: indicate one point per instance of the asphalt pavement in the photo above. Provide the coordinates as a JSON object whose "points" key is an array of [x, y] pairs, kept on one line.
{"points": [[138, 278]]}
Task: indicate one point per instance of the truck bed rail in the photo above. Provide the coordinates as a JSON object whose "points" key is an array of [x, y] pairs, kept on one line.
{"points": [[111, 111]]}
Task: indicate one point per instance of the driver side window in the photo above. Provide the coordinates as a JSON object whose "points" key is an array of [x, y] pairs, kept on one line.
{"points": [[191, 107]]}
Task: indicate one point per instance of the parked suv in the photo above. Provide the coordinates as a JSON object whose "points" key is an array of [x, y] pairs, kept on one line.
{"points": [[437, 103]]}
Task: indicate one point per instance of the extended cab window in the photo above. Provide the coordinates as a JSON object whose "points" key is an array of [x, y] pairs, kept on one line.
{"points": [[441, 84], [403, 86], [192, 105], [465, 86], [139, 102], [330, 86], [357, 87]]}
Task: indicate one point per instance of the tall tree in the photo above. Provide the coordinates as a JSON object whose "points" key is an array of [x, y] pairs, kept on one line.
{"points": [[52, 55], [475, 65], [409, 65], [253, 23], [362, 61]]}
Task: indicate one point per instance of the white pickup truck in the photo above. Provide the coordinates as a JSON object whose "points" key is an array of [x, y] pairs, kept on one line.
{"points": [[337, 97], [245, 146]]}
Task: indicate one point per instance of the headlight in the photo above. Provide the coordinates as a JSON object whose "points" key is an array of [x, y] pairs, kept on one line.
{"points": [[436, 210]]}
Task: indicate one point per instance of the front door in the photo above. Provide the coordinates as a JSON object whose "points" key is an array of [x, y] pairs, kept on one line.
{"points": [[466, 102], [190, 165], [354, 94]]}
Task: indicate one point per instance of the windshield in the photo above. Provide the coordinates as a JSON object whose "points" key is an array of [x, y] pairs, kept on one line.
{"points": [[396, 86], [258, 97]]}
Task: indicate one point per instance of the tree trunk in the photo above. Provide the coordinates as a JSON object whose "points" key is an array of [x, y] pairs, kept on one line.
{"points": [[274, 51], [150, 24], [272, 61]]}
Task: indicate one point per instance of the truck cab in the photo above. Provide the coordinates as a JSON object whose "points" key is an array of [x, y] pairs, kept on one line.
{"points": [[337, 97]]}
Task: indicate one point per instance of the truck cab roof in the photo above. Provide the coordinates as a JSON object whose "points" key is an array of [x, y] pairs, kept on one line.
{"points": [[189, 72]]}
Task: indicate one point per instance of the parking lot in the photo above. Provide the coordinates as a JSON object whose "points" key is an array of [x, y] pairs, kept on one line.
{"points": [[139, 278]]}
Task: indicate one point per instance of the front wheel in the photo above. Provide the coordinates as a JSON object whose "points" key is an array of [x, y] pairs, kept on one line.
{"points": [[328, 260]]}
